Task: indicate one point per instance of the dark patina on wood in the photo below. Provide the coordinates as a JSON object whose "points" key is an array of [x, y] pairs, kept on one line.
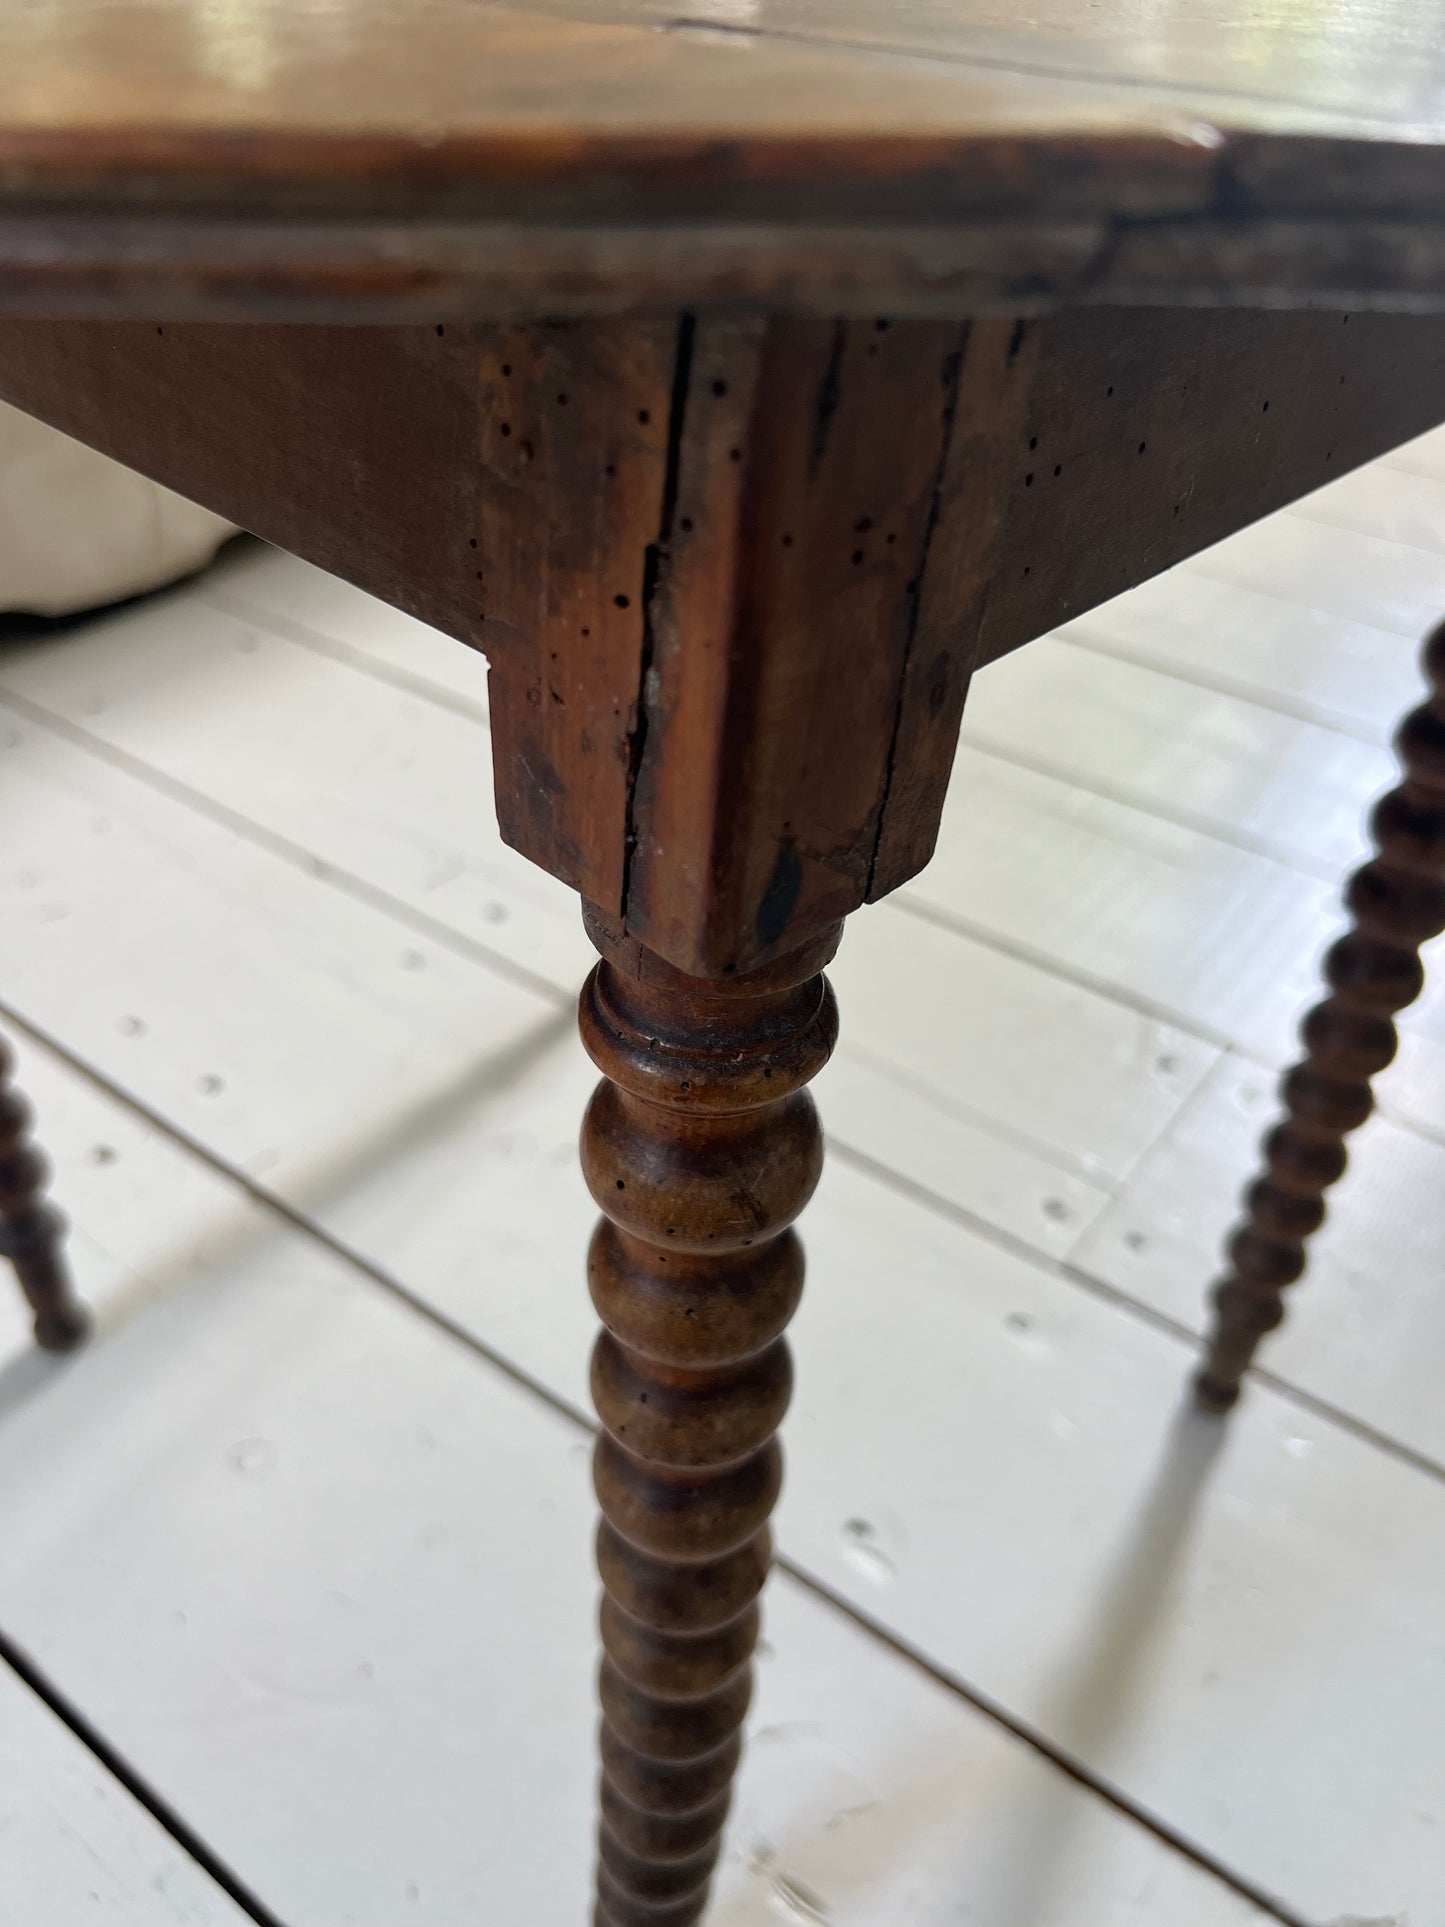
{"points": [[701, 1147], [808, 468], [379, 161], [1397, 902], [1110, 445], [732, 574]]}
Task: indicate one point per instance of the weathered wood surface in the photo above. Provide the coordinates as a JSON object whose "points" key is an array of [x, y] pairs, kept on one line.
{"points": [[440, 159], [572, 466], [701, 1146], [784, 614], [504, 485], [732, 574], [355, 447], [1152, 434]]}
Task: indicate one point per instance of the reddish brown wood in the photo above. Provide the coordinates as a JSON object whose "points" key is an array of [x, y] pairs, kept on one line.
{"points": [[31, 1229], [573, 465], [858, 511], [505, 485], [353, 447], [1110, 445], [1398, 903], [808, 463], [1150, 434], [732, 574], [377, 160], [969, 555], [701, 1147]]}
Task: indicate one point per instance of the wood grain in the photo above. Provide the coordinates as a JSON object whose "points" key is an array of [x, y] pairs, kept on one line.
{"points": [[701, 1146], [1379, 60], [967, 554], [494, 1157], [783, 617], [1151, 434], [462, 157], [122, 1480], [504, 485], [732, 573]]}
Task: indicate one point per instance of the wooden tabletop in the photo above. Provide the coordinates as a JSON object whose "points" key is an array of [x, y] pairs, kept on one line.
{"points": [[409, 157]]}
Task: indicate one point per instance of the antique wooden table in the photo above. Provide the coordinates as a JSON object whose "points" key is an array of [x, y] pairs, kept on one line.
{"points": [[741, 379]]}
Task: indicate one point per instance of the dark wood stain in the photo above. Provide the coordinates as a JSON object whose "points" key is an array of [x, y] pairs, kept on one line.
{"points": [[1397, 902], [701, 1146], [441, 473], [783, 619], [568, 506], [496, 162], [1106, 446], [733, 574], [780, 898], [733, 587], [356, 448], [1156, 418]]}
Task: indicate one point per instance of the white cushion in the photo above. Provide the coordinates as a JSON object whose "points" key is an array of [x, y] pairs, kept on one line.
{"points": [[78, 530]]}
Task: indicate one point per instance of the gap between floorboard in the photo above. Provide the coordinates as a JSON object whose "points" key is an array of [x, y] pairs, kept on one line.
{"points": [[1300, 712], [298, 1222], [1066, 1270], [238, 605], [1190, 820], [135, 1783], [1127, 1000], [327, 871], [322, 869], [401, 912]]}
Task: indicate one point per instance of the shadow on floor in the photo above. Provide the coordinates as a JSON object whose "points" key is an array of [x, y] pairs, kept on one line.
{"points": [[1025, 1867], [1091, 1704], [243, 1223]]}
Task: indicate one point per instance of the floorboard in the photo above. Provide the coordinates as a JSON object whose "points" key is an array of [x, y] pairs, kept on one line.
{"points": [[1274, 785], [323, 1463], [348, 1566], [76, 1845]]}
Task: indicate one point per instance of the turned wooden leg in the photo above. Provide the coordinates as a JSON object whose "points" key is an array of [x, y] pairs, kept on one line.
{"points": [[701, 1147], [30, 1228], [1398, 903]]}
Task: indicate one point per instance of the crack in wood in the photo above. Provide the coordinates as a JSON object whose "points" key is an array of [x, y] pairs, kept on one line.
{"points": [[654, 562], [950, 376]]}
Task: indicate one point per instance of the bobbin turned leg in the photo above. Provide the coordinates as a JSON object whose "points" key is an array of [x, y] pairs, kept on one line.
{"points": [[1398, 903], [701, 1147], [31, 1228]]}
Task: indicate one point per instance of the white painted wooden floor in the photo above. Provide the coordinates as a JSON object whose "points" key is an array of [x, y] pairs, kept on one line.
{"points": [[297, 1552]]}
